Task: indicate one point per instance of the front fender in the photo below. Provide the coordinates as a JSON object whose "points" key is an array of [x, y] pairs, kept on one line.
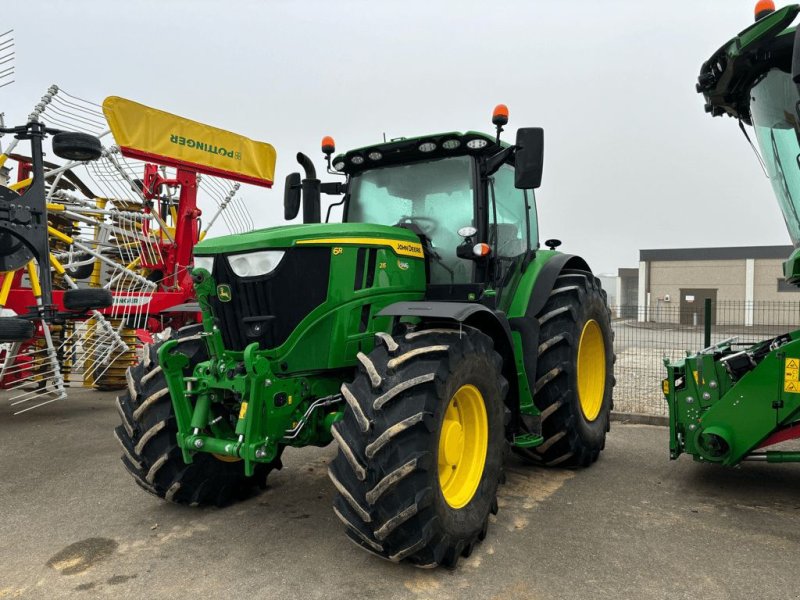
{"points": [[491, 322]]}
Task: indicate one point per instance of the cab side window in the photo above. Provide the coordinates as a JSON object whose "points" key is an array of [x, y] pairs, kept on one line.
{"points": [[509, 232]]}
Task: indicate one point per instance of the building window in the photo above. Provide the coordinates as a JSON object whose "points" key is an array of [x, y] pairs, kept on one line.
{"points": [[786, 287]]}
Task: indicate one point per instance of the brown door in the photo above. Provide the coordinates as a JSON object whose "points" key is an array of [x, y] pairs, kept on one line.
{"points": [[693, 302]]}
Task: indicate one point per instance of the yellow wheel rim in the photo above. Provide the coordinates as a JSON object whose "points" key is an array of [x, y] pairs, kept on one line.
{"points": [[591, 370], [463, 441]]}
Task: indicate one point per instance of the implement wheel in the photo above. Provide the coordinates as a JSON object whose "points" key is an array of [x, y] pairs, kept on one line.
{"points": [[87, 299], [150, 450], [421, 446], [14, 329], [76, 146], [574, 374]]}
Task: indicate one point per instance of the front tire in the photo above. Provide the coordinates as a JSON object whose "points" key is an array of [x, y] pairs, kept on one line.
{"points": [[421, 446], [574, 374], [150, 450]]}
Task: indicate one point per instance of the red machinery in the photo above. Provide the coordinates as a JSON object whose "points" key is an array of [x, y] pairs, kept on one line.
{"points": [[134, 235]]}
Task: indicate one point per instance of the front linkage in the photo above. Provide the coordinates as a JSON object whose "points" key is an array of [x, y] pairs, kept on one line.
{"points": [[249, 411]]}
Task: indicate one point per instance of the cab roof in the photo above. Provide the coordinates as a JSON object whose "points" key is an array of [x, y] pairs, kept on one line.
{"points": [[425, 147]]}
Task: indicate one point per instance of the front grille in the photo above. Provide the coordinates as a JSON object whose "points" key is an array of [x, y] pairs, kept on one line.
{"points": [[277, 302]]}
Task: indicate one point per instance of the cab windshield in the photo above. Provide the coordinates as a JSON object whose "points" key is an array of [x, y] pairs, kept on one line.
{"points": [[775, 106], [436, 196]]}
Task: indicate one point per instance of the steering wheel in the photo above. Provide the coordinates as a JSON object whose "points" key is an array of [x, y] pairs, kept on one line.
{"points": [[425, 224]]}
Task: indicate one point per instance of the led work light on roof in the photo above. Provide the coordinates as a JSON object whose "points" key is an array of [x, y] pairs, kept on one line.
{"points": [[357, 160], [375, 155], [476, 144], [427, 147], [339, 165], [451, 144]]}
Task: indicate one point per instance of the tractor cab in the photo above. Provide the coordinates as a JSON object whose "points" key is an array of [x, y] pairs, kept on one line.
{"points": [[467, 196]]}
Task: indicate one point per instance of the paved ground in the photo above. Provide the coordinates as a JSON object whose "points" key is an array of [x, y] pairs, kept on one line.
{"points": [[73, 524]]}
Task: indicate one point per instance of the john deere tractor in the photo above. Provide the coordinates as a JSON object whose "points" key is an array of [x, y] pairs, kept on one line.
{"points": [[728, 403], [425, 334]]}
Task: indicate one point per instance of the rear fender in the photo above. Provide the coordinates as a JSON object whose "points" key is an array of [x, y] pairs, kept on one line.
{"points": [[530, 297]]}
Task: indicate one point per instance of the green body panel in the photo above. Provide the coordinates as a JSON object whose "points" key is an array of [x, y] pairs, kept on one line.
{"points": [[514, 302], [517, 295], [272, 390], [287, 236], [767, 26], [706, 404]]}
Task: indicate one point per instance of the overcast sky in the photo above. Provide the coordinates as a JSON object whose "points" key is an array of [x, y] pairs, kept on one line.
{"points": [[631, 159]]}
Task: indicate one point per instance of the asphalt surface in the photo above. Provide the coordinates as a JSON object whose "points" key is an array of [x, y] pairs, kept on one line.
{"points": [[636, 525]]}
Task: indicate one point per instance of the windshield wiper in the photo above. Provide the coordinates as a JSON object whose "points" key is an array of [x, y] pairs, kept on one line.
{"points": [[755, 150], [440, 261]]}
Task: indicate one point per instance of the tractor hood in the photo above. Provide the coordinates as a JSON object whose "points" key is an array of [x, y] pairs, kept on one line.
{"points": [[402, 241]]}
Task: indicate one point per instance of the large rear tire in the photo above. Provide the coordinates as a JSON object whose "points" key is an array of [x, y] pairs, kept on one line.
{"points": [[150, 450], [574, 374], [421, 446]]}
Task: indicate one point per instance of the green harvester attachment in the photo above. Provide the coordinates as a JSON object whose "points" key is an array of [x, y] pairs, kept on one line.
{"points": [[729, 403]]}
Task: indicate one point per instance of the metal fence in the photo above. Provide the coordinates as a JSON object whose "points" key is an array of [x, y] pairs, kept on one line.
{"points": [[644, 337]]}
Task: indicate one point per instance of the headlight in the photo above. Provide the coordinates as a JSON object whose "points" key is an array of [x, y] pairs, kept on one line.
{"points": [[254, 264], [204, 262]]}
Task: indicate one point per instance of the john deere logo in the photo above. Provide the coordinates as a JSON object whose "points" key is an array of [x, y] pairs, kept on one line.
{"points": [[224, 293]]}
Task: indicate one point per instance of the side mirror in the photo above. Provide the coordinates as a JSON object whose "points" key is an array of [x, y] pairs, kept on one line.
{"points": [[529, 158], [77, 146], [291, 196]]}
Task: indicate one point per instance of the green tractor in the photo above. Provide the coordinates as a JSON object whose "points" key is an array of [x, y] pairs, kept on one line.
{"points": [[728, 403], [426, 334]]}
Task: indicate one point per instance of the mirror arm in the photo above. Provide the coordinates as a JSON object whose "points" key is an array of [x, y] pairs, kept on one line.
{"points": [[494, 162], [333, 188]]}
